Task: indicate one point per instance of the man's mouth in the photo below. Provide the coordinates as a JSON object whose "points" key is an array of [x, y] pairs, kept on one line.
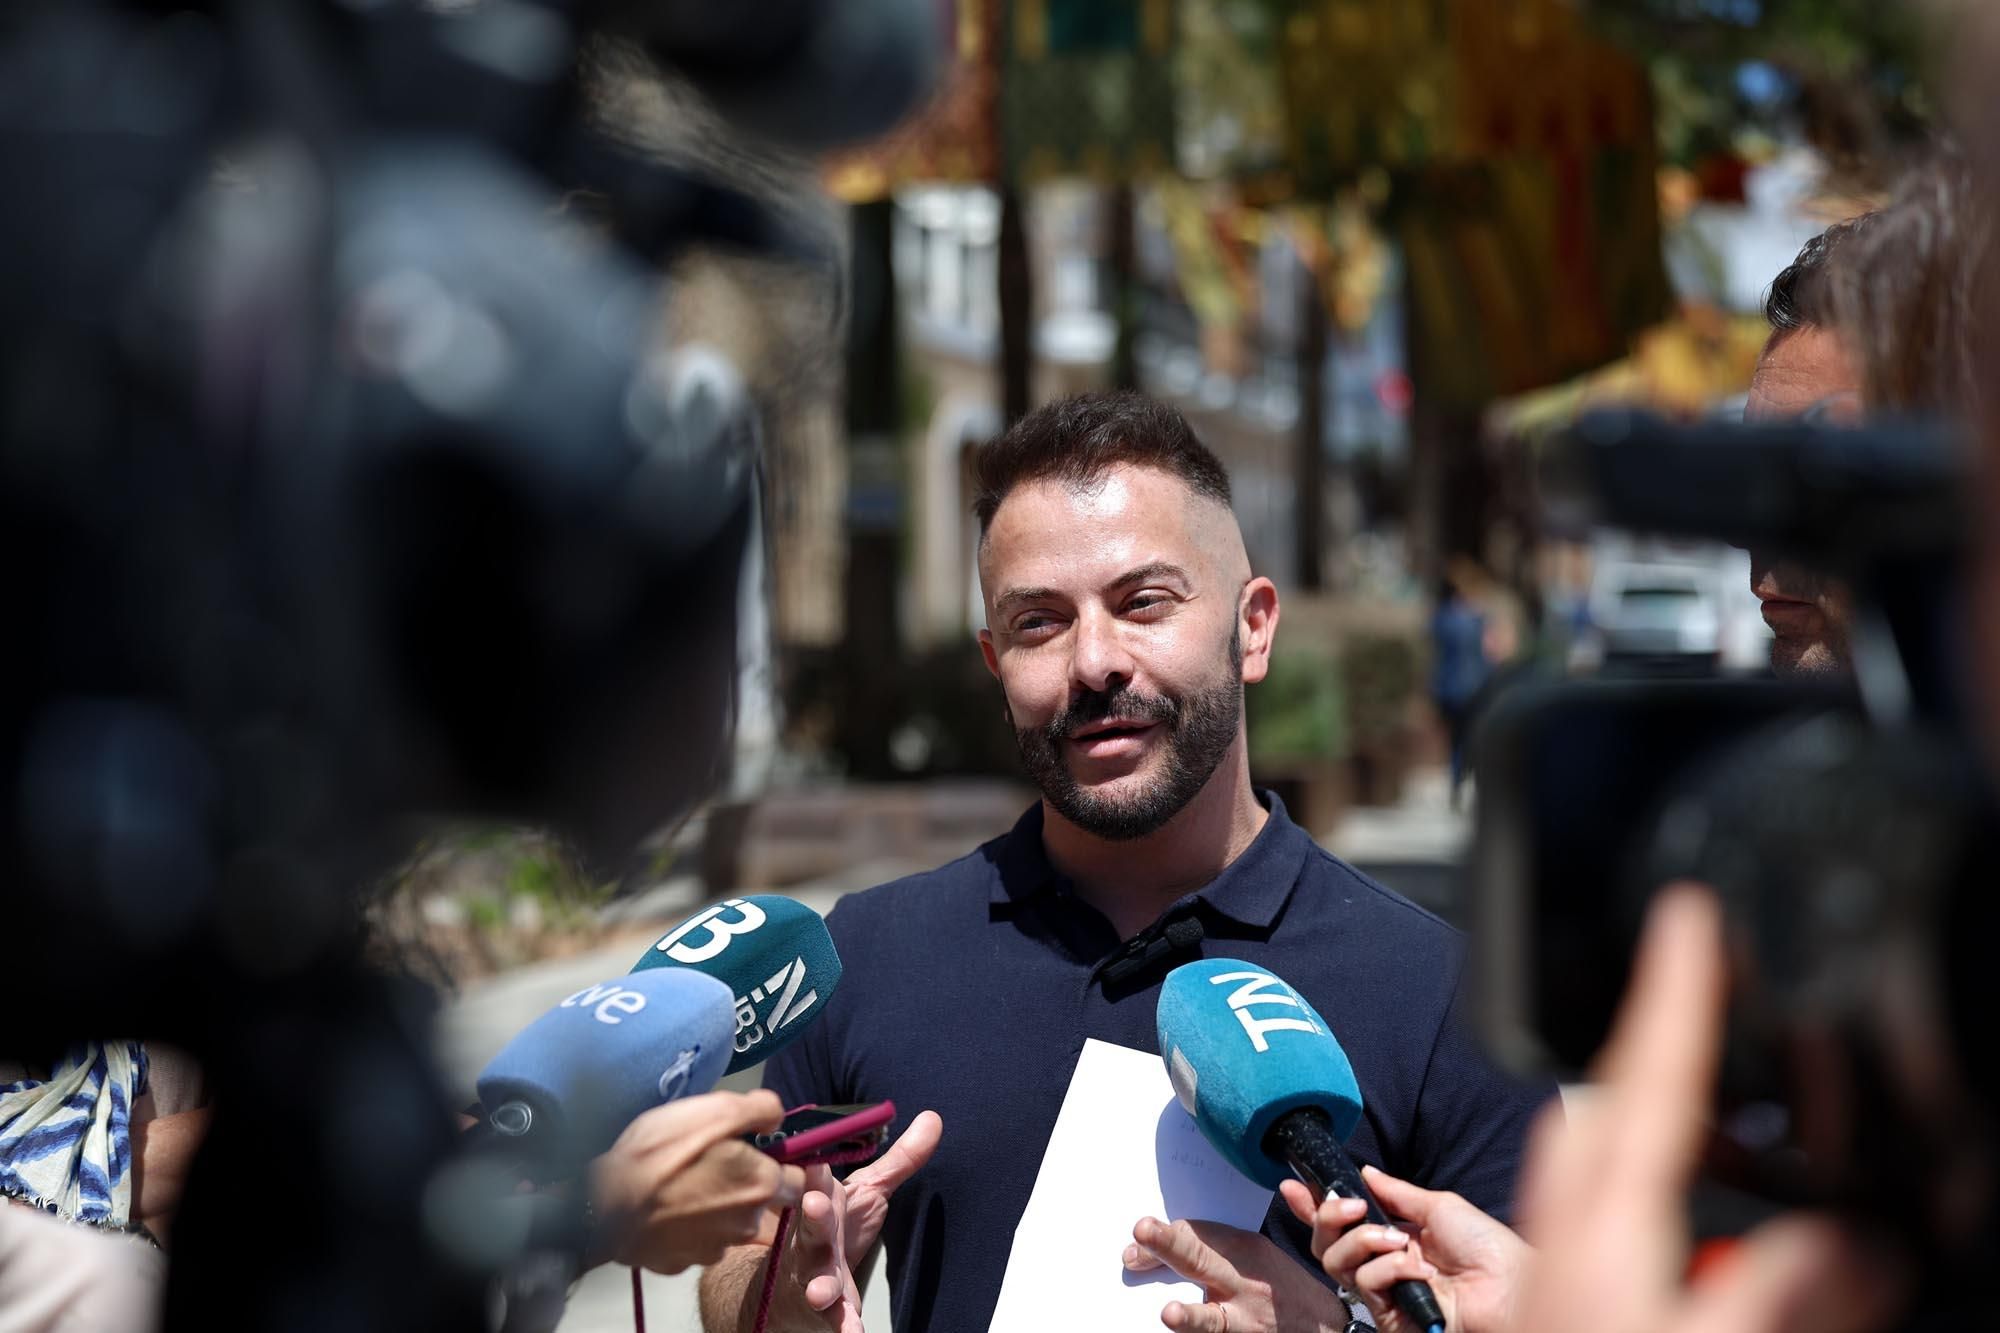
{"points": [[1787, 616], [1111, 736]]}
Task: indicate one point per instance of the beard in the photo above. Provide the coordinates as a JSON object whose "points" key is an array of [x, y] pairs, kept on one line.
{"points": [[1198, 728]]}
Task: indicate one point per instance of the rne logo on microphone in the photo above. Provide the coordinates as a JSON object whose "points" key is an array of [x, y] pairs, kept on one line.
{"points": [[790, 1006], [611, 1000], [674, 1078], [1254, 992]]}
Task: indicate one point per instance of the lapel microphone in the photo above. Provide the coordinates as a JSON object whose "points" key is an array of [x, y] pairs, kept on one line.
{"points": [[1178, 933]]}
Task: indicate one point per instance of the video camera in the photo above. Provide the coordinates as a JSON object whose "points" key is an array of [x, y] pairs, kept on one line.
{"points": [[1848, 830], [346, 477]]}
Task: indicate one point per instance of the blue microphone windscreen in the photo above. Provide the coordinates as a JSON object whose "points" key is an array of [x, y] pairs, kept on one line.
{"points": [[1242, 1049], [773, 954], [611, 1052]]}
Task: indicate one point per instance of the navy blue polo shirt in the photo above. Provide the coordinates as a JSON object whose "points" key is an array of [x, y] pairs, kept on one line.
{"points": [[969, 991]]}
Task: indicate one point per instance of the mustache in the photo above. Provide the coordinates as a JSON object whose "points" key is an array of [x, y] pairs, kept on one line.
{"points": [[1123, 704], [1787, 578]]}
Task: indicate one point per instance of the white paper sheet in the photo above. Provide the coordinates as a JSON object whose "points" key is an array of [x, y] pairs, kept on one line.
{"points": [[1122, 1149]]}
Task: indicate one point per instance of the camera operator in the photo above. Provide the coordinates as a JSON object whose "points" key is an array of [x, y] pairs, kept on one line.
{"points": [[1876, 314]]}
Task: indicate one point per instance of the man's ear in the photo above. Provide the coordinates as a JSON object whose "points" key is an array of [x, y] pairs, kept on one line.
{"points": [[986, 651], [1258, 617]]}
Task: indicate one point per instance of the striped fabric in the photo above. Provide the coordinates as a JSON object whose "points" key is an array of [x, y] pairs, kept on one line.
{"points": [[66, 1140]]}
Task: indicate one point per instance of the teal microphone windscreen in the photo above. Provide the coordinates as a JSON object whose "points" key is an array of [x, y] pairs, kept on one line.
{"points": [[774, 955], [1243, 1048], [567, 1085]]}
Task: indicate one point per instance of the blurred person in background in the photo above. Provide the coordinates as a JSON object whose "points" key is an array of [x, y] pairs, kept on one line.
{"points": [[1459, 664]]}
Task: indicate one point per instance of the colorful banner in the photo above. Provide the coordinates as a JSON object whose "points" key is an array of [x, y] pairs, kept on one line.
{"points": [[956, 138], [1035, 89], [1526, 201]]}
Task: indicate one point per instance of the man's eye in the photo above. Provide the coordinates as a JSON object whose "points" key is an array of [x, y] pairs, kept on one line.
{"points": [[1148, 601], [1032, 624]]}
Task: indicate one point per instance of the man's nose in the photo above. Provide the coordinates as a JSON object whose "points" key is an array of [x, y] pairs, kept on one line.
{"points": [[1100, 660]]}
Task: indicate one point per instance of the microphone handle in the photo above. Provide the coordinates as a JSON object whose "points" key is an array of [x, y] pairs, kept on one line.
{"points": [[1304, 1140]]}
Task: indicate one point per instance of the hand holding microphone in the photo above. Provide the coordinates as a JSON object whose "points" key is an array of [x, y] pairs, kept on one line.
{"points": [[1270, 1088], [681, 1185], [1474, 1262]]}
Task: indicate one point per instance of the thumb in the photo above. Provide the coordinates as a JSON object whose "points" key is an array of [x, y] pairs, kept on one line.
{"points": [[1399, 1198], [905, 1157], [1299, 1199]]}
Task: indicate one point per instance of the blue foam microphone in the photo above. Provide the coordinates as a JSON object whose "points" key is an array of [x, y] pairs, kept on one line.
{"points": [[1264, 1078], [570, 1082], [773, 954]]}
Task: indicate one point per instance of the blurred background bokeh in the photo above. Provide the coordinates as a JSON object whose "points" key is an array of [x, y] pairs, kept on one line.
{"points": [[1380, 252]]}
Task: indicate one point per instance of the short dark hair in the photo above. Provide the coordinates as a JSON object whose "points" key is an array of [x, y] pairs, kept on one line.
{"points": [[1912, 294], [1802, 297], [1076, 440]]}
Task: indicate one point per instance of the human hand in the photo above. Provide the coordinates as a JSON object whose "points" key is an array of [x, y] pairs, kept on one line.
{"points": [[1602, 1195], [1473, 1261], [838, 1224], [681, 1185], [1248, 1284]]}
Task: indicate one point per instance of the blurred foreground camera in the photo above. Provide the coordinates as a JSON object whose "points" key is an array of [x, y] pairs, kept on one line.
{"points": [[1849, 830], [347, 479]]}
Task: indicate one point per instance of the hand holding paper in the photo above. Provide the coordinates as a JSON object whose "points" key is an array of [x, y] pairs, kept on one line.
{"points": [[1249, 1285], [1122, 1150]]}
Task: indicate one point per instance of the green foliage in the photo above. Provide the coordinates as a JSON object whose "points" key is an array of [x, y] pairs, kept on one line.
{"points": [[1229, 107], [1861, 66], [1296, 713], [1379, 675]]}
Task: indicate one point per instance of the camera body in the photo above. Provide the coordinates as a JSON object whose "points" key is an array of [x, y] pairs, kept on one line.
{"points": [[346, 479], [1847, 828]]}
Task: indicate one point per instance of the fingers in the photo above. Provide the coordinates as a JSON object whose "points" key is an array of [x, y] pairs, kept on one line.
{"points": [[824, 1291], [1137, 1260], [905, 1157], [1299, 1199], [1182, 1249], [762, 1111], [1638, 1134], [1793, 1274], [1356, 1247], [791, 1187], [1195, 1318], [1399, 1198], [814, 1232], [1659, 1065], [1335, 1218], [692, 1123], [1375, 1278]]}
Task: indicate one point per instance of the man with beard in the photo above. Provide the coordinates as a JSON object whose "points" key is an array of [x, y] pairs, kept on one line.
{"points": [[1123, 622]]}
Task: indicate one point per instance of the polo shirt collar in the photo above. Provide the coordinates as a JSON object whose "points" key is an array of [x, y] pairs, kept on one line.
{"points": [[1251, 890]]}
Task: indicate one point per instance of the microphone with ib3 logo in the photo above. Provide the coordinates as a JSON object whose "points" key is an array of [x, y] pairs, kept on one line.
{"points": [[773, 954], [1270, 1087]]}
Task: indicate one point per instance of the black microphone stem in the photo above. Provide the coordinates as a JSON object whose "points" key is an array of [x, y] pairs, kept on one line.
{"points": [[1305, 1141]]}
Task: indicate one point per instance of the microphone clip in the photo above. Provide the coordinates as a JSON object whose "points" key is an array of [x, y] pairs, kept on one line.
{"points": [[1159, 943]]}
